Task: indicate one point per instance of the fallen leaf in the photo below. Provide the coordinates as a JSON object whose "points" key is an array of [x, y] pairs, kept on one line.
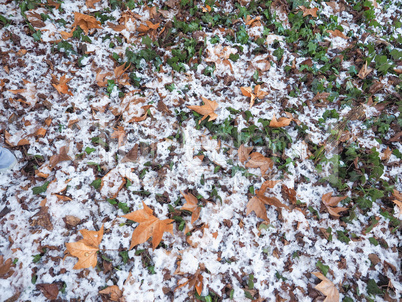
{"points": [[309, 11], [62, 156], [50, 291], [196, 281], [336, 33], [272, 201], [42, 219], [364, 71], [398, 200], [191, 205], [62, 86], [327, 288], [244, 153], [149, 226], [281, 122], [208, 109], [258, 93], [90, 3], [85, 22], [120, 134], [267, 184], [114, 291], [86, 249], [387, 154], [258, 206], [258, 160], [132, 155], [331, 202], [71, 221], [5, 267]]}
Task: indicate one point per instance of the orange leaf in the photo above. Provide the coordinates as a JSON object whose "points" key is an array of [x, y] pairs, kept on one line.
{"points": [[149, 226], [5, 267], [114, 291], [90, 3], [208, 109], [258, 160], [191, 205], [336, 33], [65, 35], [331, 202], [281, 122], [244, 153], [327, 288], [309, 11], [86, 249], [62, 86], [86, 22]]}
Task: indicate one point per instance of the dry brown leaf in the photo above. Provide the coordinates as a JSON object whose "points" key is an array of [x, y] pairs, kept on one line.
{"points": [[364, 71], [258, 160], [42, 219], [90, 3], [86, 249], [62, 86], [272, 201], [244, 153], [120, 134], [67, 35], [49, 290], [142, 117], [281, 122], [113, 291], [336, 33], [258, 93], [289, 193], [331, 203], [258, 206], [85, 22], [132, 155], [149, 226], [387, 154], [267, 184], [398, 200], [101, 80], [5, 267], [327, 288], [309, 11], [52, 3], [196, 281], [208, 109], [62, 156], [191, 205]]}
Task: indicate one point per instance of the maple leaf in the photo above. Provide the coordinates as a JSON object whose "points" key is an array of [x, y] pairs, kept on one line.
{"points": [[208, 109], [62, 156], [258, 206], [258, 160], [191, 205], [281, 122], [149, 226], [327, 288], [309, 11], [258, 93], [244, 153], [114, 291], [195, 281], [86, 249], [331, 202], [62, 86], [120, 134], [122, 77], [85, 22]]}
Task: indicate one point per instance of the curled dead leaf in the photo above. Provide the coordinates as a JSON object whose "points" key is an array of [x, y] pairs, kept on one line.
{"points": [[327, 288]]}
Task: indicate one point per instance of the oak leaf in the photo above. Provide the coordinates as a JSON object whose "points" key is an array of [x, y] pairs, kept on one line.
{"points": [[208, 109], [327, 288], [62, 86], [258, 206], [149, 226], [86, 249], [258, 93], [191, 205], [244, 153], [86, 22], [281, 122], [331, 203], [114, 291], [57, 158], [258, 160]]}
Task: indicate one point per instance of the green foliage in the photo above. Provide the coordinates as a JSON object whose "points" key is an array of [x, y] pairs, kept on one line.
{"points": [[97, 183], [40, 189], [323, 268]]}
